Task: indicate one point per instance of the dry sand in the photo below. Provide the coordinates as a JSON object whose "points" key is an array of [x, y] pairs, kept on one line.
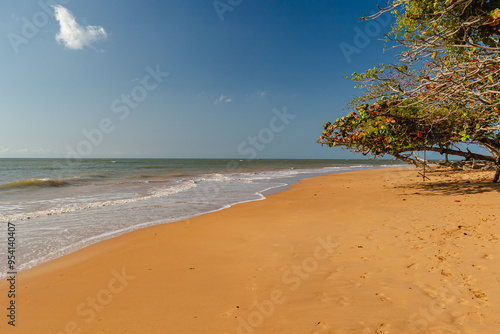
{"points": [[363, 252]]}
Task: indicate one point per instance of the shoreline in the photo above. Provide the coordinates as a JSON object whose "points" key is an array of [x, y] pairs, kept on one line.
{"points": [[310, 253], [281, 184]]}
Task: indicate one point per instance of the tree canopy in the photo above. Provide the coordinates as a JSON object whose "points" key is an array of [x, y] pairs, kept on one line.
{"points": [[443, 92]]}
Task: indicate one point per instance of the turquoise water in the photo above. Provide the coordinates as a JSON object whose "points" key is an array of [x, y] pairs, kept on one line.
{"points": [[59, 206]]}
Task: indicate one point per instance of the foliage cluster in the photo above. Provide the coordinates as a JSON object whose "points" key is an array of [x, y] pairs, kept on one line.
{"points": [[443, 92]]}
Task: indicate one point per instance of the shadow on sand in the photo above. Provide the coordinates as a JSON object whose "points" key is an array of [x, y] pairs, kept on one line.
{"points": [[454, 183]]}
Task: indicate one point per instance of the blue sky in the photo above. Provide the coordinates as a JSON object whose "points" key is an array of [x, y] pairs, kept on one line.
{"points": [[245, 78]]}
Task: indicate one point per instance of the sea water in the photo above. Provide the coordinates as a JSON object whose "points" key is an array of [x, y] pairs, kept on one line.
{"points": [[59, 206]]}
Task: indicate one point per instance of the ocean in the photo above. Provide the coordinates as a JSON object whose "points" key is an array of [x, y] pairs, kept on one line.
{"points": [[59, 206]]}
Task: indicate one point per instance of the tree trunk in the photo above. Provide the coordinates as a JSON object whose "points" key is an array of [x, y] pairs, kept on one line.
{"points": [[497, 175]]}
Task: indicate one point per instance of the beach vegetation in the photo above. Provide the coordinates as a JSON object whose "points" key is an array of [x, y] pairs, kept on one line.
{"points": [[442, 94]]}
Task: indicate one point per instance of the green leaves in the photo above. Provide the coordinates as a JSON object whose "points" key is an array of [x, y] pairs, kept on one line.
{"points": [[494, 17], [464, 135], [442, 91], [386, 127]]}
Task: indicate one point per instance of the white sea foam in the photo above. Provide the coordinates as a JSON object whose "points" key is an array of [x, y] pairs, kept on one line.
{"points": [[166, 191], [79, 216]]}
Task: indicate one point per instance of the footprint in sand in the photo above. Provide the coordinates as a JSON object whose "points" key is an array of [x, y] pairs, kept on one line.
{"points": [[332, 275], [453, 255], [461, 319], [356, 284], [413, 266], [366, 275], [322, 328], [477, 293], [431, 269], [493, 238], [382, 297], [429, 291], [365, 329], [342, 301], [383, 329], [468, 279], [228, 314], [335, 273], [445, 272], [483, 303], [479, 267], [441, 258], [323, 297]]}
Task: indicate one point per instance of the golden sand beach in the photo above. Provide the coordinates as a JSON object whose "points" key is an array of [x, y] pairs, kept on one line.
{"points": [[376, 251]]}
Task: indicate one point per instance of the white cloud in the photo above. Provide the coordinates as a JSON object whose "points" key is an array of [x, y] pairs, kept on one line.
{"points": [[74, 36], [223, 99], [261, 93]]}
